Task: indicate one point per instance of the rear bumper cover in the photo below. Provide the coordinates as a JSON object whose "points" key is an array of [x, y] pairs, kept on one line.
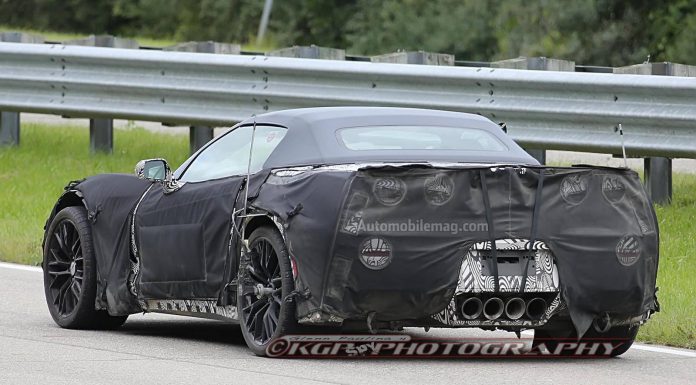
{"points": [[393, 240]]}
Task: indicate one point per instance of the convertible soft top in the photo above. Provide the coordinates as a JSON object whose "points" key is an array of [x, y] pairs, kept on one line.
{"points": [[312, 139]]}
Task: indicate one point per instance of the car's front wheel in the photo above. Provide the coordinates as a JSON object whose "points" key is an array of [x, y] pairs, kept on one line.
{"points": [[70, 273], [265, 281]]}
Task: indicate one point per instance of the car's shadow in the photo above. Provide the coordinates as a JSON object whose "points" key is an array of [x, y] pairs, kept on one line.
{"points": [[229, 334], [208, 331]]}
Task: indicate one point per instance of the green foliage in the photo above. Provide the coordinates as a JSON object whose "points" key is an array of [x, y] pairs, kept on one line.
{"points": [[449, 26], [32, 176], [596, 32], [305, 22]]}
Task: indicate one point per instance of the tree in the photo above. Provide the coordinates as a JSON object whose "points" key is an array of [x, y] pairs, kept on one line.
{"points": [[461, 27], [597, 32]]}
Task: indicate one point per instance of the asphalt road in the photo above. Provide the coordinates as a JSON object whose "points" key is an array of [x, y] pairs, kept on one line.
{"points": [[157, 349]]}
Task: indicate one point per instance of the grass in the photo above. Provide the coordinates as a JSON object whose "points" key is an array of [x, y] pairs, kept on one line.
{"points": [[32, 176], [675, 325]]}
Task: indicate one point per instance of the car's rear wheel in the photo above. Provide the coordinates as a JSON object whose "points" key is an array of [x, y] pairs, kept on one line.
{"points": [[70, 273], [265, 281], [621, 337]]}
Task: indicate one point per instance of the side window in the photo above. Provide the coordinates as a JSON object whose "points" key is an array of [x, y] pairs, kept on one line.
{"points": [[229, 155]]}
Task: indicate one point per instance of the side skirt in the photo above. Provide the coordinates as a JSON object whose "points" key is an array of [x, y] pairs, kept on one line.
{"points": [[191, 307]]}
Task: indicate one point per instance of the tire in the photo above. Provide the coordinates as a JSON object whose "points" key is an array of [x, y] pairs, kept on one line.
{"points": [[70, 273], [622, 337], [270, 315]]}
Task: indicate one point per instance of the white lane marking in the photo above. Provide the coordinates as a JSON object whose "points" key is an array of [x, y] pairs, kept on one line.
{"points": [[649, 348], [661, 349], [16, 266]]}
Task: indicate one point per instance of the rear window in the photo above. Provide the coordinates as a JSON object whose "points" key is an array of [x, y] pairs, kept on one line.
{"points": [[419, 138]]}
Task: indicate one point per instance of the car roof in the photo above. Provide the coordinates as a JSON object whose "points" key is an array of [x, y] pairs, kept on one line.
{"points": [[311, 138]]}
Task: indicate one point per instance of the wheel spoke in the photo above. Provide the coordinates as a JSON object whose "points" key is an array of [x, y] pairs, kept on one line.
{"points": [[268, 328], [58, 266], [254, 274], [58, 281], [263, 261], [61, 297], [251, 307], [273, 311], [69, 303], [75, 248], [65, 267], [250, 322], [262, 253], [58, 273], [56, 298], [76, 289], [59, 256], [261, 313], [57, 235], [272, 264], [257, 264], [59, 238], [62, 235], [258, 322]]}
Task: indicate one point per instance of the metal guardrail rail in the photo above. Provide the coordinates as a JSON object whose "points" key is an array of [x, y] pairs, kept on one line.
{"points": [[543, 109]]}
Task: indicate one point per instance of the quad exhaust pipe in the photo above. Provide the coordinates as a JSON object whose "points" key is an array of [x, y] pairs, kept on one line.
{"points": [[536, 308], [493, 308], [472, 308], [514, 308]]}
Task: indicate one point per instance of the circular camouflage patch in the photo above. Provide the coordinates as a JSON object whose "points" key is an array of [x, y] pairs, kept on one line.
{"points": [[613, 188], [574, 188], [628, 250], [389, 191], [375, 253], [438, 189]]}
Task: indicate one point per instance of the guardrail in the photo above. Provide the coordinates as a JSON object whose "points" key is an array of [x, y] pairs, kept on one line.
{"points": [[542, 109], [553, 110]]}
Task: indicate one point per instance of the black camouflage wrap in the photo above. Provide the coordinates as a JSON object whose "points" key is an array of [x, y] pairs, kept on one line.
{"points": [[386, 241], [598, 223], [178, 247], [110, 219]]}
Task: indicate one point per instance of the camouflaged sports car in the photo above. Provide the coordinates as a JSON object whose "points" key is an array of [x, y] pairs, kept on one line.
{"points": [[378, 217]]}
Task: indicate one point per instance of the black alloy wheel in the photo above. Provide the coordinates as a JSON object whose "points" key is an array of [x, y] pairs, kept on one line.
{"points": [[65, 267], [265, 282], [69, 268]]}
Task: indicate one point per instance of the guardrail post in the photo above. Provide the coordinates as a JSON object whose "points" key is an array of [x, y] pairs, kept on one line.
{"points": [[310, 52], [101, 131], [9, 121], [658, 179], [658, 170], [415, 57], [200, 135], [537, 64]]}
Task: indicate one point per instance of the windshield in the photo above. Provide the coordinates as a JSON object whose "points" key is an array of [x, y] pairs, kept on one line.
{"points": [[419, 138]]}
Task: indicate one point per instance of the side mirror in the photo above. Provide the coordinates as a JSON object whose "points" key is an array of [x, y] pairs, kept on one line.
{"points": [[156, 170]]}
